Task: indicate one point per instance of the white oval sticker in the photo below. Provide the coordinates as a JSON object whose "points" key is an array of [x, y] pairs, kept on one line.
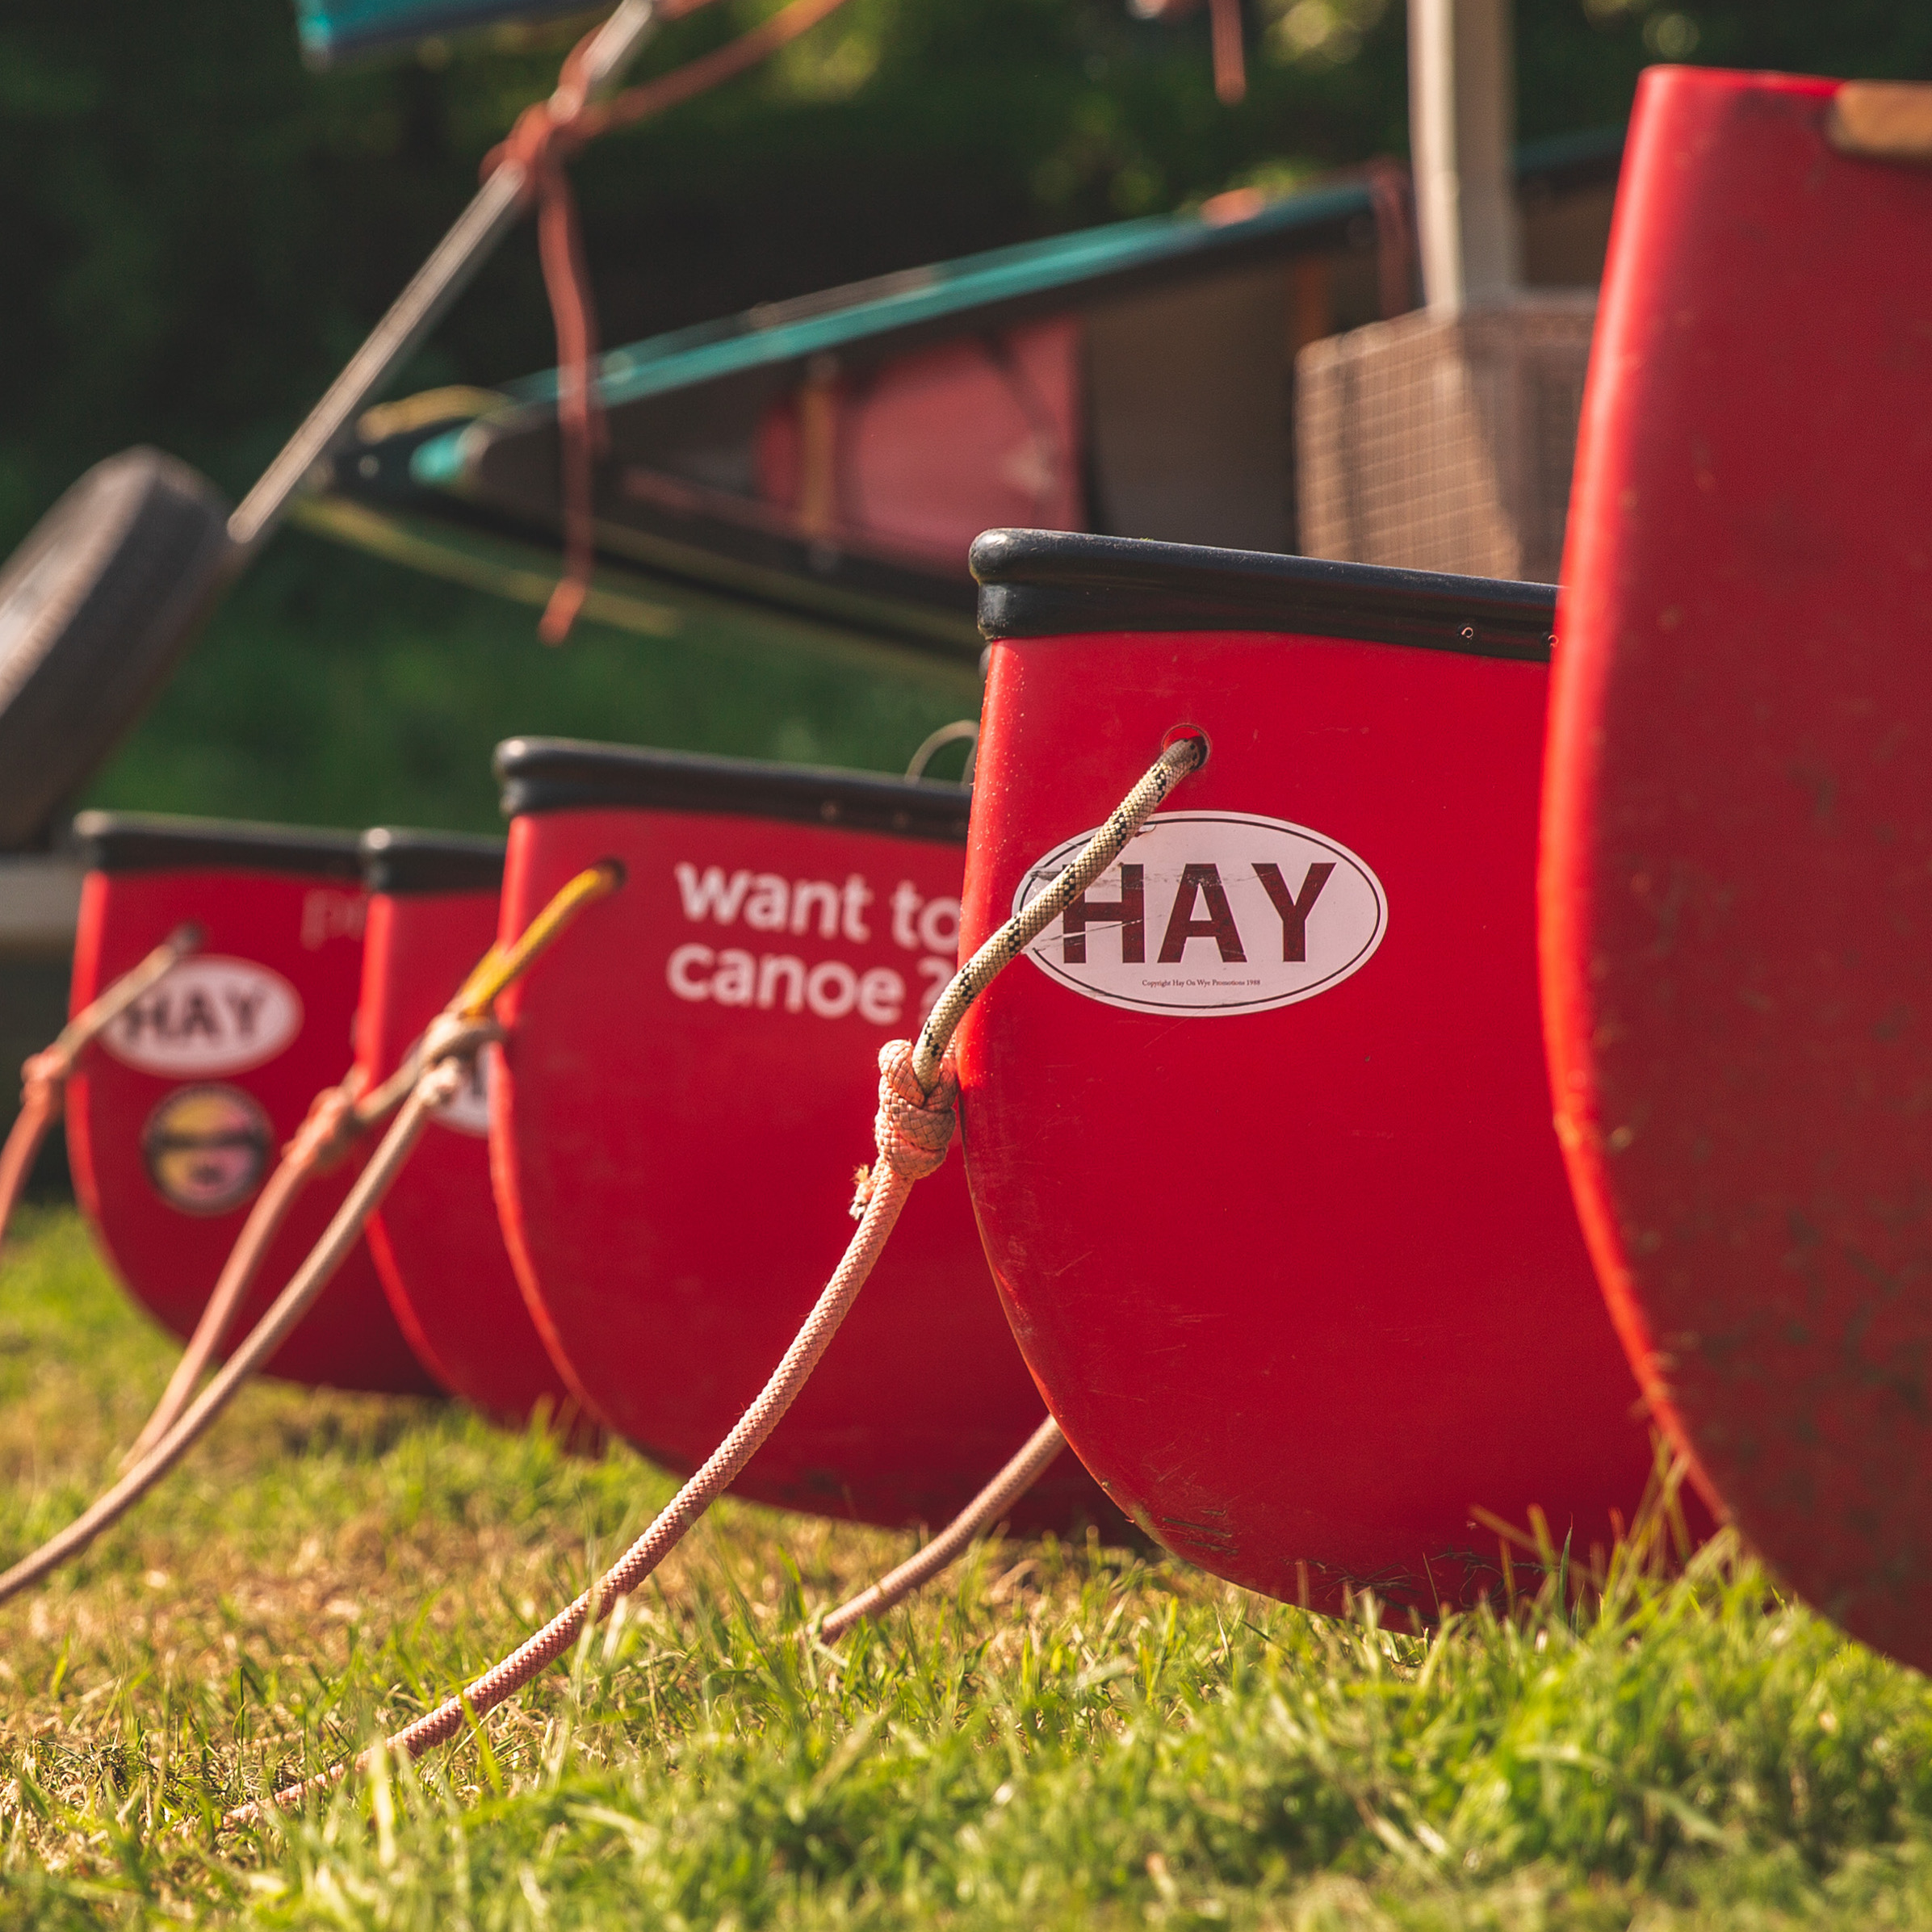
{"points": [[211, 1015], [1211, 912]]}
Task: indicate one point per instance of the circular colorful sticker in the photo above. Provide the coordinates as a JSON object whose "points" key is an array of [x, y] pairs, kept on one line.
{"points": [[207, 1148]]}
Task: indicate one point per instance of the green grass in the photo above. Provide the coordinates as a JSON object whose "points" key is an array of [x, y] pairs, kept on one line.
{"points": [[1056, 1736]]}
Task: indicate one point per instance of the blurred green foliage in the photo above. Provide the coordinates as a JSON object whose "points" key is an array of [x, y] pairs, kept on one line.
{"points": [[335, 689], [196, 231]]}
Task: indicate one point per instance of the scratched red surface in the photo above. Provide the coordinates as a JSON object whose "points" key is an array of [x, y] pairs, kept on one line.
{"points": [[1736, 881]]}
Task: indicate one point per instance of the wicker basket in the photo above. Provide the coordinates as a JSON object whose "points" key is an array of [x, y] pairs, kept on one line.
{"points": [[1445, 444]]}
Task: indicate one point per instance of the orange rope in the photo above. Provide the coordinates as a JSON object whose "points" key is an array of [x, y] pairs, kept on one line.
{"points": [[1230, 62], [919, 1092], [1224, 22], [331, 1128], [44, 1076], [42, 1100], [721, 1468], [544, 139], [437, 1073]]}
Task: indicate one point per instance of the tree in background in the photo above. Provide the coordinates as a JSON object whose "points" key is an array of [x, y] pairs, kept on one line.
{"points": [[196, 231]]}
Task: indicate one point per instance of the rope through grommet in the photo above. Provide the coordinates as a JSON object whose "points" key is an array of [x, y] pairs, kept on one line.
{"points": [[965, 730], [917, 1109], [44, 1075], [1026, 925], [460, 1031]]}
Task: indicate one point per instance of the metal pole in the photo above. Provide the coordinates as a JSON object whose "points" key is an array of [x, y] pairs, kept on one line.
{"points": [[1461, 129], [430, 290]]}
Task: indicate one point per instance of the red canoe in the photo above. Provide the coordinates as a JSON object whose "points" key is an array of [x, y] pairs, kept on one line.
{"points": [[1260, 1143], [183, 1107], [1737, 883], [688, 1088], [433, 901]]}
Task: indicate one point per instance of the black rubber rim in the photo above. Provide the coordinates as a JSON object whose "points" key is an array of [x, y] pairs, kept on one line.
{"points": [[561, 774], [96, 605], [142, 841], [1038, 583], [399, 861]]}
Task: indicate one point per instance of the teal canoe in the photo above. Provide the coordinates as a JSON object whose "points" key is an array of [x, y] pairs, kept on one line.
{"points": [[833, 456], [332, 31]]}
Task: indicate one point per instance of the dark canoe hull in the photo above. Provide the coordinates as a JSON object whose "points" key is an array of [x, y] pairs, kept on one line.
{"points": [[834, 456]]}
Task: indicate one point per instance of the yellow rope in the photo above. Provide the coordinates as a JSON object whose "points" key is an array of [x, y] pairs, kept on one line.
{"points": [[432, 1070], [904, 1155], [501, 966]]}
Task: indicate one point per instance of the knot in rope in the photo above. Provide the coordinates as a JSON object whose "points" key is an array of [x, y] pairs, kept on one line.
{"points": [[450, 1043], [546, 134], [44, 1074], [330, 1129], [913, 1129]]}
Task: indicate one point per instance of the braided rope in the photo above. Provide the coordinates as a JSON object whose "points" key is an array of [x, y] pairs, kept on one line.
{"points": [[1026, 925], [907, 1148], [283, 1189], [545, 136], [337, 1117], [42, 1099], [911, 1135], [93, 1019], [986, 1508], [343, 1232], [449, 1044], [504, 1680], [333, 1124]]}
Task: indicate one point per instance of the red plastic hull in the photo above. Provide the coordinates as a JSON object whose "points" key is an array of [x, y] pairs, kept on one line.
{"points": [[1302, 1284], [435, 1240], [674, 1160], [127, 1124], [1736, 874]]}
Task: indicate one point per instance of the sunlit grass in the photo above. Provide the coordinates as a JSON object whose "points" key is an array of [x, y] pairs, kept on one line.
{"points": [[1054, 1736]]}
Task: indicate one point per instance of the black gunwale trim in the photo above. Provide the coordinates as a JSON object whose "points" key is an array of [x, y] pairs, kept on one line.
{"points": [[673, 555], [145, 841], [1037, 583], [566, 774], [398, 860]]}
